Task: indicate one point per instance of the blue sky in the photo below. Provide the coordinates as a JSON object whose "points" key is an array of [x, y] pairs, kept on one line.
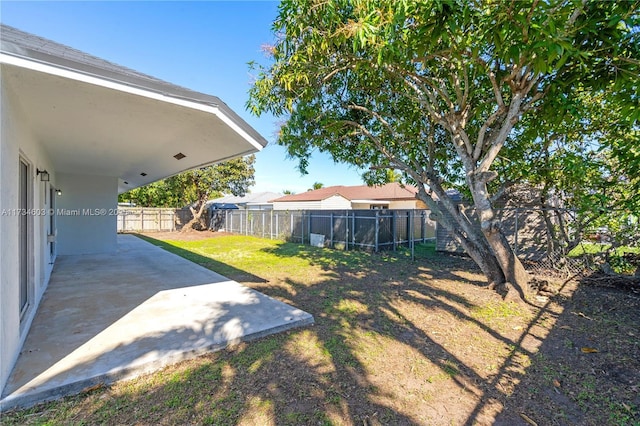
{"points": [[204, 46]]}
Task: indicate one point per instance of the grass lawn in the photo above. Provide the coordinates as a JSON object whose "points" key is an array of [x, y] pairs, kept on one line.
{"points": [[396, 342], [616, 261], [588, 247]]}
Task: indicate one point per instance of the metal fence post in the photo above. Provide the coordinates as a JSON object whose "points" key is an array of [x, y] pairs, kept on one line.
{"points": [[377, 231], [353, 228], [291, 225], [393, 231], [411, 242], [408, 227], [346, 230], [331, 231]]}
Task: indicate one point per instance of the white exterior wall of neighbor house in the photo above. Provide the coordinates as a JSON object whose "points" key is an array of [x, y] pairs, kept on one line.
{"points": [[297, 205], [398, 204], [404, 204], [87, 219], [335, 202], [367, 205], [258, 207], [18, 143]]}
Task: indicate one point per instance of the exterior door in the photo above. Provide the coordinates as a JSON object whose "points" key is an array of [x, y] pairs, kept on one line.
{"points": [[52, 222], [23, 235]]}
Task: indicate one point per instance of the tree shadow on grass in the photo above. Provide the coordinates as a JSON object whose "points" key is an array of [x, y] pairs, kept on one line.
{"points": [[508, 389], [587, 369], [398, 279], [395, 342]]}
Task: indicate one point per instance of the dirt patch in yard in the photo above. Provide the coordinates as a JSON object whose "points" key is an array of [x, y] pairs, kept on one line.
{"points": [[396, 342]]}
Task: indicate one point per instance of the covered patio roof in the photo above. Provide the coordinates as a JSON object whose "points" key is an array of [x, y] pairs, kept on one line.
{"points": [[108, 317], [97, 118]]}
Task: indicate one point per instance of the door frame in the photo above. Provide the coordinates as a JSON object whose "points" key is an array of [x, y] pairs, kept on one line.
{"points": [[51, 225], [25, 231]]}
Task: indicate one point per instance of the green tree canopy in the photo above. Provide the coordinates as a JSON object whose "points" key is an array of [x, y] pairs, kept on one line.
{"points": [[194, 187], [575, 159], [436, 89]]}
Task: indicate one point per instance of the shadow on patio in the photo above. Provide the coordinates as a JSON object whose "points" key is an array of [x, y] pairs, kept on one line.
{"points": [[107, 317]]}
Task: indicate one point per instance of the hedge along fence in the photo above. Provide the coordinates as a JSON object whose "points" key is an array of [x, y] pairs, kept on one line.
{"points": [[346, 229], [151, 219]]}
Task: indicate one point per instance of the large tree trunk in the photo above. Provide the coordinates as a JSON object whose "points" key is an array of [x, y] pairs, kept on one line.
{"points": [[516, 277], [487, 246], [481, 255], [477, 160], [195, 223], [469, 237]]}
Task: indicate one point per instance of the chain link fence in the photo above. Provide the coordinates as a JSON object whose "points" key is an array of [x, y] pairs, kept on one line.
{"points": [[373, 230], [532, 232], [527, 230]]}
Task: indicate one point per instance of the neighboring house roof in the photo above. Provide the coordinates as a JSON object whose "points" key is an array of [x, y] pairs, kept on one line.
{"points": [[390, 191], [77, 102], [251, 198]]}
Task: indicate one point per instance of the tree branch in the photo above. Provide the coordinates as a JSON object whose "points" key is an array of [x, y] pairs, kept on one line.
{"points": [[500, 138], [374, 114], [429, 105], [335, 71], [496, 89], [483, 130], [576, 13]]}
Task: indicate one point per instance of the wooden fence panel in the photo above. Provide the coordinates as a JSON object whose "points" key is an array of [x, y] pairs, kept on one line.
{"points": [[151, 219]]}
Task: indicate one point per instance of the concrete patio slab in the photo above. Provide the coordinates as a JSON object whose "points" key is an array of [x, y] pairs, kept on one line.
{"points": [[110, 317]]}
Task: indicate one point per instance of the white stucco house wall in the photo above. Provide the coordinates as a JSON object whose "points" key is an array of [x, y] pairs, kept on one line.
{"points": [[389, 196], [75, 131]]}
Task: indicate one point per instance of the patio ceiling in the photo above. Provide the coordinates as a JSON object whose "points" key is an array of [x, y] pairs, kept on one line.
{"points": [[91, 129], [97, 118]]}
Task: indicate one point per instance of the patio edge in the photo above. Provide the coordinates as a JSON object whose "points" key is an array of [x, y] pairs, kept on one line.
{"points": [[30, 399]]}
